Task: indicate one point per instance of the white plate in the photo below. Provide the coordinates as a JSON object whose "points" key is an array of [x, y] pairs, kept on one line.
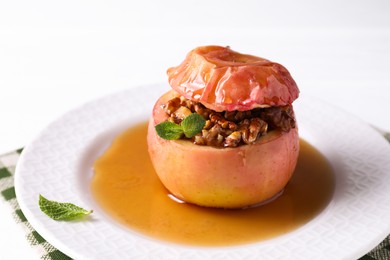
{"points": [[58, 165]]}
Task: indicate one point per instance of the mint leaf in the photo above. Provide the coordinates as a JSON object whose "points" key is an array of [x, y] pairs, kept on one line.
{"points": [[192, 125], [61, 211], [169, 130]]}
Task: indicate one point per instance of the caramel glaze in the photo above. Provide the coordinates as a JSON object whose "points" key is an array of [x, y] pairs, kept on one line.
{"points": [[127, 188]]}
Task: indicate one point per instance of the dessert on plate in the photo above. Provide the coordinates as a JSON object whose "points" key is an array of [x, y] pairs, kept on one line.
{"points": [[225, 136]]}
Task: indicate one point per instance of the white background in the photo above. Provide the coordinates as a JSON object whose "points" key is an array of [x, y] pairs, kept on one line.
{"points": [[56, 55]]}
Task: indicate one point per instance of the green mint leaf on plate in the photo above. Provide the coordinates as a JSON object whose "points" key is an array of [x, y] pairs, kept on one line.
{"points": [[169, 130], [193, 125], [61, 211]]}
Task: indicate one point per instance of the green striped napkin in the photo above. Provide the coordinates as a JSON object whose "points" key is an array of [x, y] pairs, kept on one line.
{"points": [[7, 169], [47, 251]]}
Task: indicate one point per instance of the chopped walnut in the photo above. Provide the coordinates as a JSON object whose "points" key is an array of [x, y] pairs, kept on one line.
{"points": [[208, 125], [279, 117], [186, 102], [181, 113], [233, 139], [172, 105], [199, 139], [257, 127], [231, 128], [201, 110], [219, 119]]}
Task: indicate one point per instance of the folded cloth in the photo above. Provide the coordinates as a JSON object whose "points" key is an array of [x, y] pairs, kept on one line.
{"points": [[47, 251]]}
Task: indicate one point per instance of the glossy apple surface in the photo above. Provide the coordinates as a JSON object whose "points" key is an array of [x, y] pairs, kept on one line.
{"points": [[222, 177], [225, 80]]}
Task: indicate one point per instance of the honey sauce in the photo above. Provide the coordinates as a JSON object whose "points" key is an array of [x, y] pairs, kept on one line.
{"points": [[127, 188]]}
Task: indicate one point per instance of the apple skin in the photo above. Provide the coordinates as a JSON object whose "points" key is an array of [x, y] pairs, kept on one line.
{"points": [[225, 80], [222, 177]]}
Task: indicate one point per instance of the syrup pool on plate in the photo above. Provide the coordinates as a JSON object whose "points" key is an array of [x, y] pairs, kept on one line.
{"points": [[127, 188]]}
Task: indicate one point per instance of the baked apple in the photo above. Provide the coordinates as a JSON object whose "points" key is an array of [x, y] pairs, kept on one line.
{"points": [[243, 147]]}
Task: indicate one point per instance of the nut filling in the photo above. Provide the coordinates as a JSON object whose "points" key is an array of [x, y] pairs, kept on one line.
{"points": [[231, 128]]}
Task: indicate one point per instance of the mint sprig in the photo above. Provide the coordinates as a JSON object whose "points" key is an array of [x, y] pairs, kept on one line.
{"points": [[61, 211], [169, 130], [190, 126]]}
